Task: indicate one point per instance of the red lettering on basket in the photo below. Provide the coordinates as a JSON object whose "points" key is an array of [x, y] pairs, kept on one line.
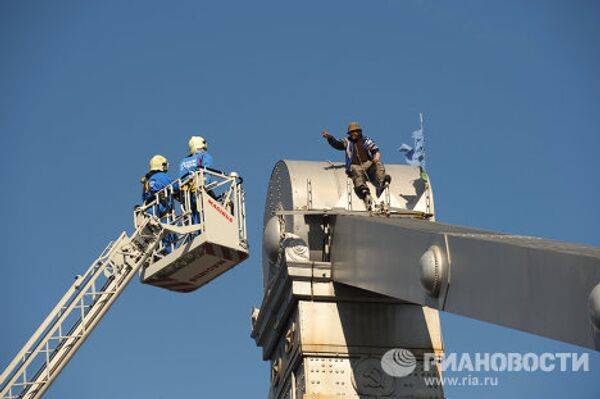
{"points": [[220, 210]]}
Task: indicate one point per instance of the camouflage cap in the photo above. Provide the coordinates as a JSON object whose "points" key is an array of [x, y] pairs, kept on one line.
{"points": [[352, 126]]}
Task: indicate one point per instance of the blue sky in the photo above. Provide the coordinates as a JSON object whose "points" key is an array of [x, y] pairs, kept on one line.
{"points": [[89, 91]]}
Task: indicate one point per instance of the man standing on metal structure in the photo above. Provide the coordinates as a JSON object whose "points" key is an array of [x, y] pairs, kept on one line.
{"points": [[363, 161], [197, 159]]}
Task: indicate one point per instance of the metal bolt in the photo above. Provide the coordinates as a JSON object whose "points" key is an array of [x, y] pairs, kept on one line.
{"points": [[430, 270]]}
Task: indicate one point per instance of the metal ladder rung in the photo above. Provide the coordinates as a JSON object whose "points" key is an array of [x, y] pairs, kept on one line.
{"points": [[28, 383], [30, 372]]}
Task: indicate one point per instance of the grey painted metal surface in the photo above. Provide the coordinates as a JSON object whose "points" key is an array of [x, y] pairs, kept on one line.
{"points": [[303, 185], [539, 286], [315, 331], [323, 339], [326, 340]]}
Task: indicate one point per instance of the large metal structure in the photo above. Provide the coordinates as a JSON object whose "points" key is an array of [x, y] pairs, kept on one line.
{"points": [[343, 285], [188, 246]]}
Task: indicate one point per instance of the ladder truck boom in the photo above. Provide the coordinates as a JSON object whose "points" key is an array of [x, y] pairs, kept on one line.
{"points": [[172, 262], [74, 317]]}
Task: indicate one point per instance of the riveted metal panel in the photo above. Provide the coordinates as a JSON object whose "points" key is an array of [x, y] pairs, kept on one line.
{"points": [[341, 332], [358, 327], [535, 285]]}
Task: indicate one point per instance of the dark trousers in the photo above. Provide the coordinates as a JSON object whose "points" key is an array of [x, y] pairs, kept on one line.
{"points": [[374, 171]]}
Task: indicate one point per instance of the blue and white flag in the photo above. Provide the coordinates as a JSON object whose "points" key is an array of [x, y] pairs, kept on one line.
{"points": [[415, 156]]}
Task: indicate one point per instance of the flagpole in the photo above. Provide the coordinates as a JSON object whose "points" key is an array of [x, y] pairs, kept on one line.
{"points": [[423, 137], [424, 174]]}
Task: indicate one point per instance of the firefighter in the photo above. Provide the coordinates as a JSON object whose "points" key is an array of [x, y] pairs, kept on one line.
{"points": [[155, 181], [197, 159]]}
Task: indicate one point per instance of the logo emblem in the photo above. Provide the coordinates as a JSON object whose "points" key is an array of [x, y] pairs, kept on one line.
{"points": [[398, 362]]}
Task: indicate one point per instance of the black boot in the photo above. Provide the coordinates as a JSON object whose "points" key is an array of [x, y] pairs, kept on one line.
{"points": [[362, 191], [365, 195], [387, 179]]}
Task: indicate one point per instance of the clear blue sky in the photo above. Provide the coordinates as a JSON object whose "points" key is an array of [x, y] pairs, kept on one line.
{"points": [[90, 90]]}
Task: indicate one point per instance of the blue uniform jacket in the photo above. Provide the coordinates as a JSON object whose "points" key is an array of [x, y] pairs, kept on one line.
{"points": [[155, 181], [195, 162]]}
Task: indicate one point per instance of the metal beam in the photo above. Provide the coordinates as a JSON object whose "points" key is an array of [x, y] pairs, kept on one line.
{"points": [[539, 286]]}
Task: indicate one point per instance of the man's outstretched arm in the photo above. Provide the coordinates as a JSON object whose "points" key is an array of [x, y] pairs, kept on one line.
{"points": [[337, 144]]}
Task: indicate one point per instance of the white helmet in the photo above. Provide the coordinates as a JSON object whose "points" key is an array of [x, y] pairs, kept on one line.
{"points": [[160, 163], [197, 144]]}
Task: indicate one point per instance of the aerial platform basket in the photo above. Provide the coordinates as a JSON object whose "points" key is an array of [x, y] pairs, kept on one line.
{"points": [[204, 229]]}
